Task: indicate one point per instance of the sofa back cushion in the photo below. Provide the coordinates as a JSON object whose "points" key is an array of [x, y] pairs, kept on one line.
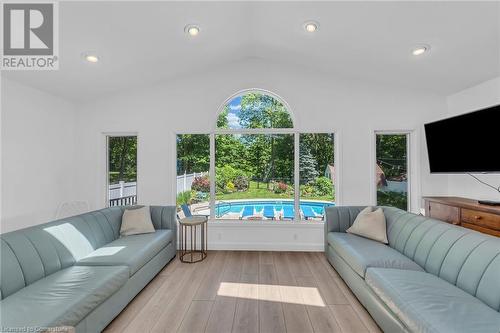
{"points": [[463, 257], [30, 254]]}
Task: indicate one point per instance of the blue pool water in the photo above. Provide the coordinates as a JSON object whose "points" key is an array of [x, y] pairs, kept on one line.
{"points": [[280, 209]]}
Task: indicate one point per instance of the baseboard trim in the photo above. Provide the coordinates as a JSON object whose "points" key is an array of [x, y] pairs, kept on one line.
{"points": [[261, 246]]}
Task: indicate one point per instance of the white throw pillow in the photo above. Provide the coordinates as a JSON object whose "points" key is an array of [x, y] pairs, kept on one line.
{"points": [[136, 221], [370, 225]]}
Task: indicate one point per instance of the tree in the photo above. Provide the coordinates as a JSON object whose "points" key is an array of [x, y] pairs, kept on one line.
{"points": [[263, 111], [193, 153], [122, 152], [321, 146], [391, 155], [308, 165]]}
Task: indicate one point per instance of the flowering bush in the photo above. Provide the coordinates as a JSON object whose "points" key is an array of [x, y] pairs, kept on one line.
{"points": [[230, 187], [241, 183], [201, 184], [280, 188]]}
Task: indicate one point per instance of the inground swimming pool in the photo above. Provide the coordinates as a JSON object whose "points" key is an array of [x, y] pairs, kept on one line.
{"points": [[270, 209]]}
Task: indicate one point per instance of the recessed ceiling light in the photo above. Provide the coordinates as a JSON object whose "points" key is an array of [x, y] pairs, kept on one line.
{"points": [[192, 30], [311, 26], [91, 58], [419, 50]]}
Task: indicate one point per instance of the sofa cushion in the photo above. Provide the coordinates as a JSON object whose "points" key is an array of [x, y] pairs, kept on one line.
{"points": [[370, 224], [133, 251], [62, 298], [360, 253], [135, 221], [426, 303]]}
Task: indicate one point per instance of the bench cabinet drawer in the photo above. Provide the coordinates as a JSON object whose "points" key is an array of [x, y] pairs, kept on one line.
{"points": [[481, 219]]}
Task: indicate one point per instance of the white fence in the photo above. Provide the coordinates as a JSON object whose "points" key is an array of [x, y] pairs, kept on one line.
{"points": [[394, 186], [122, 189], [185, 181]]}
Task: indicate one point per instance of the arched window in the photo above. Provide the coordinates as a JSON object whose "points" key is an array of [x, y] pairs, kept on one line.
{"points": [[252, 110], [260, 166]]}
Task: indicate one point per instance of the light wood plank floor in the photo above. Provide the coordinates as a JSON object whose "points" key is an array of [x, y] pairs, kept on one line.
{"points": [[246, 291]]}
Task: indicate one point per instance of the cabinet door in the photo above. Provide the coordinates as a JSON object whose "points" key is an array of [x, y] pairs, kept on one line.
{"points": [[443, 212]]}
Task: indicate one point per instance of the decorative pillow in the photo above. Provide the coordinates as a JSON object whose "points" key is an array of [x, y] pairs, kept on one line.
{"points": [[370, 224], [136, 221]]}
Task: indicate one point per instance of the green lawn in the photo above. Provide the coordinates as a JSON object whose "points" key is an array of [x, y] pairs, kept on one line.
{"points": [[263, 193]]}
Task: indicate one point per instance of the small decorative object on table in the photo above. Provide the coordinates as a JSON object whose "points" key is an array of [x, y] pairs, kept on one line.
{"points": [[188, 232]]}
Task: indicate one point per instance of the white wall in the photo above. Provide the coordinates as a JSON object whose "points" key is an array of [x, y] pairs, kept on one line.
{"points": [[319, 103], [37, 155], [477, 97]]}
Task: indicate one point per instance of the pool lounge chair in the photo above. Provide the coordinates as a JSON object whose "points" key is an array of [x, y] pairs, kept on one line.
{"points": [[186, 210], [247, 211], [308, 212], [288, 213], [269, 212]]}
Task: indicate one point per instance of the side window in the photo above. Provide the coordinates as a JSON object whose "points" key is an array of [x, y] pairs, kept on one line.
{"points": [[122, 170], [391, 169]]}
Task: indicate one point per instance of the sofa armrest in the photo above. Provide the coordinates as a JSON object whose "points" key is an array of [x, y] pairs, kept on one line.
{"points": [[165, 217], [340, 218]]}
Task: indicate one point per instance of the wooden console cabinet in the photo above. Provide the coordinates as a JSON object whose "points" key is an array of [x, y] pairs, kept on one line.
{"points": [[467, 213]]}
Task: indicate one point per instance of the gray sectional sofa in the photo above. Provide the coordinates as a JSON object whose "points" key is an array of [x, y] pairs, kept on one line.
{"points": [[78, 271], [431, 277]]}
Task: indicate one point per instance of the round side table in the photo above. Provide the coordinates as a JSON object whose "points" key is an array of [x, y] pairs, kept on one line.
{"points": [[189, 253]]}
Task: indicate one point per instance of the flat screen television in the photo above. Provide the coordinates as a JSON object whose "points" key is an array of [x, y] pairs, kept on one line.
{"points": [[469, 143]]}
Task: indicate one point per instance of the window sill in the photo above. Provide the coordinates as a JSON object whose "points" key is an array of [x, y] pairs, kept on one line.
{"points": [[270, 223]]}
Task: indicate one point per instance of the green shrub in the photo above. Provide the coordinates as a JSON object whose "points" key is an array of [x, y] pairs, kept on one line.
{"points": [[227, 174], [322, 186], [223, 176], [306, 190], [184, 198], [393, 199]]}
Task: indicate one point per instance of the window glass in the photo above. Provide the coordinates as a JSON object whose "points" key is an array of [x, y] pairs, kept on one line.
{"points": [[254, 176], [254, 110], [392, 170], [122, 170], [193, 178], [317, 175]]}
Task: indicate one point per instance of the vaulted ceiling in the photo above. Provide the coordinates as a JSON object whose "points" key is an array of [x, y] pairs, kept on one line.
{"points": [[144, 42]]}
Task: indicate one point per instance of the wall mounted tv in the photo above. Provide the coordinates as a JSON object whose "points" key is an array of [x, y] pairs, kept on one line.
{"points": [[469, 143]]}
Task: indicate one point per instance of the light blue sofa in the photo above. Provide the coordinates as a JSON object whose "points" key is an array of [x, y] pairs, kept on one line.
{"points": [[432, 277], [78, 271]]}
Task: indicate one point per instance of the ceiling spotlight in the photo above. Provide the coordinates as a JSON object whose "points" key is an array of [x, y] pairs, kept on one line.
{"points": [[91, 58], [311, 26], [419, 50], [192, 30]]}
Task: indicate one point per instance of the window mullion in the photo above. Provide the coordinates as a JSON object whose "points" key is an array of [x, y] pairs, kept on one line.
{"points": [[212, 176], [296, 176]]}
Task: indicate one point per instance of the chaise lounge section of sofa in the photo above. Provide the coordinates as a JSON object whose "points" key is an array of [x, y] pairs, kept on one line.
{"points": [[78, 271], [431, 277]]}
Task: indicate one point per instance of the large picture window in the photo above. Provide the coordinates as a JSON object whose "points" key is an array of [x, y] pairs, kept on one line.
{"points": [[254, 176], [122, 170], [256, 166], [392, 169]]}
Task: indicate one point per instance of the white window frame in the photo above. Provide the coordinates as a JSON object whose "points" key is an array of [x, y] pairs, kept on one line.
{"points": [[106, 136], [409, 163], [291, 131]]}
